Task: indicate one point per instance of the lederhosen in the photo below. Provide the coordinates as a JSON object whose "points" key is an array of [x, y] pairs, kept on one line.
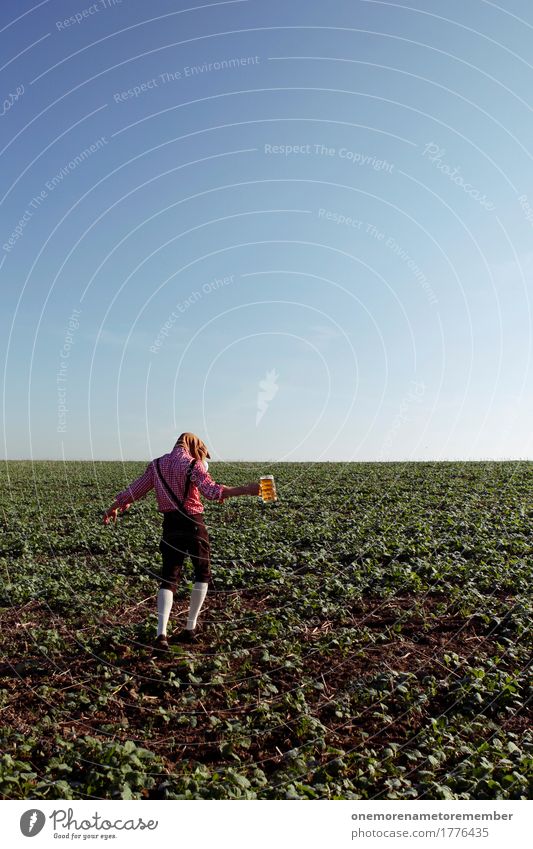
{"points": [[183, 533]]}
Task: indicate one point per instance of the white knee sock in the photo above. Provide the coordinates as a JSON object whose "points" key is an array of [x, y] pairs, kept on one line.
{"points": [[198, 594], [164, 606]]}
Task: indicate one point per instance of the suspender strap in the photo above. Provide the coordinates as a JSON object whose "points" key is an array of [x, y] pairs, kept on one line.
{"points": [[171, 493]]}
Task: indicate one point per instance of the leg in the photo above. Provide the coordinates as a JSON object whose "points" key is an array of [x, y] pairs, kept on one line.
{"points": [[173, 551], [200, 556], [165, 599], [198, 594]]}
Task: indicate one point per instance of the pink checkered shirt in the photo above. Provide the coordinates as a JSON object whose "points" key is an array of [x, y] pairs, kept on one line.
{"points": [[173, 467]]}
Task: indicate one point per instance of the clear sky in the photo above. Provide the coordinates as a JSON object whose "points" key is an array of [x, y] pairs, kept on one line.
{"points": [[301, 230]]}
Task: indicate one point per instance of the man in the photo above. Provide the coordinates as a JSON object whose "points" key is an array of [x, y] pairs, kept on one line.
{"points": [[178, 478]]}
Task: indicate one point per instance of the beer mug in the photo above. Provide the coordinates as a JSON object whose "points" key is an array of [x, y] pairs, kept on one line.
{"points": [[267, 489]]}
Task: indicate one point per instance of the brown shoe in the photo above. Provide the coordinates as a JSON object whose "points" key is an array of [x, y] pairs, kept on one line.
{"points": [[186, 636], [161, 645]]}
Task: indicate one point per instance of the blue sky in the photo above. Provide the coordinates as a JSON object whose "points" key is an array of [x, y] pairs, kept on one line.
{"points": [[303, 231]]}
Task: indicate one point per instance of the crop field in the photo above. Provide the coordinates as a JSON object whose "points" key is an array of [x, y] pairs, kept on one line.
{"points": [[367, 638]]}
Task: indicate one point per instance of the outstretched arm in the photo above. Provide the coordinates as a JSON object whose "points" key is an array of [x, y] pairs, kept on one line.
{"points": [[133, 492], [215, 491], [247, 489]]}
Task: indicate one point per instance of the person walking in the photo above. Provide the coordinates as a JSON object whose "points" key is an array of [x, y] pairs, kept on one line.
{"points": [[178, 478]]}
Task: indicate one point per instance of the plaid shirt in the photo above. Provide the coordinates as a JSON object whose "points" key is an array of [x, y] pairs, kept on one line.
{"points": [[173, 468]]}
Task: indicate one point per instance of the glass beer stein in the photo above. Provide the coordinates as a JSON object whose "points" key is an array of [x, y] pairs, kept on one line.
{"points": [[267, 489]]}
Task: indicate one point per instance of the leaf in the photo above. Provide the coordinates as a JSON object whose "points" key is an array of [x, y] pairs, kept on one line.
{"points": [[240, 780]]}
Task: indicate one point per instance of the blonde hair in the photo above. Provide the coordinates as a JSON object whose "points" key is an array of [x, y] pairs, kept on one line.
{"points": [[194, 445]]}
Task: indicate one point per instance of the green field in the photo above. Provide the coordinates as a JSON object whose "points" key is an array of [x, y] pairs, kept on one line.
{"points": [[367, 638]]}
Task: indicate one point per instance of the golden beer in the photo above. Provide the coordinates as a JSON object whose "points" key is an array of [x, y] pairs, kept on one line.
{"points": [[267, 489]]}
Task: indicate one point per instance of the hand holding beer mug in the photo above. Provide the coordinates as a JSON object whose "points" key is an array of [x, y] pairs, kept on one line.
{"points": [[267, 489]]}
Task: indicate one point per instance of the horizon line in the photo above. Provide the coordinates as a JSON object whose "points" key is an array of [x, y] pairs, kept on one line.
{"points": [[271, 460]]}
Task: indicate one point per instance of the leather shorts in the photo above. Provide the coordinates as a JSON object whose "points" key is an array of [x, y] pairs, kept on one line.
{"points": [[184, 534]]}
